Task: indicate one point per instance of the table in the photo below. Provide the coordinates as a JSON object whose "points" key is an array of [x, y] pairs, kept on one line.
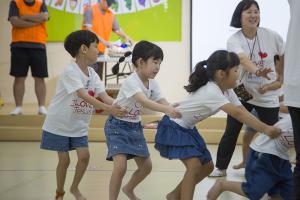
{"points": [[107, 59]]}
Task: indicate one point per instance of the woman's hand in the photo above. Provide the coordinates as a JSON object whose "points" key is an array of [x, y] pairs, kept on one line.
{"points": [[263, 72]]}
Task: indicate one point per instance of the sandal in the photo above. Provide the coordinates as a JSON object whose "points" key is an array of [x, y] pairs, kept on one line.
{"points": [[59, 194]]}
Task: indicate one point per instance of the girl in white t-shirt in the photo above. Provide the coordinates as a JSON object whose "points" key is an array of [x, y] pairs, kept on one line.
{"points": [[124, 135], [210, 90], [67, 121], [268, 169]]}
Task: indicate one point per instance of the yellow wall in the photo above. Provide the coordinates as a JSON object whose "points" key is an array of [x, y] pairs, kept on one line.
{"points": [[172, 76]]}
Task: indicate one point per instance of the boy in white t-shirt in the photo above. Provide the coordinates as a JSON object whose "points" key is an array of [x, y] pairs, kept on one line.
{"points": [[67, 121], [268, 169]]}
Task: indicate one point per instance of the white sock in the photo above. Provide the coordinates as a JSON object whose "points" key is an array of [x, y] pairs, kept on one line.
{"points": [[42, 110], [16, 111]]}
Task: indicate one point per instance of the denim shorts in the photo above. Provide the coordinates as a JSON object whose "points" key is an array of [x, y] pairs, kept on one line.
{"points": [[125, 138], [60, 143], [267, 173]]}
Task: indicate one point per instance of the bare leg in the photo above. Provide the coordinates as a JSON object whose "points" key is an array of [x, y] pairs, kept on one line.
{"points": [[40, 90], [82, 163], [61, 171], [247, 138], [143, 170], [205, 171], [223, 185], [19, 90], [119, 170]]}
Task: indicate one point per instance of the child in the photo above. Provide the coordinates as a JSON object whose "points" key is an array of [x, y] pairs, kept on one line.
{"points": [[210, 87], [66, 124], [124, 135], [268, 169]]}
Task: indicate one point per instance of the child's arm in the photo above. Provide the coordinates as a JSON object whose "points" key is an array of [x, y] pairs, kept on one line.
{"points": [[241, 114], [167, 109], [98, 104], [106, 98]]}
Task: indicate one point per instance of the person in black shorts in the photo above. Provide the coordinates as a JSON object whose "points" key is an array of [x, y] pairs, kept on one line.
{"points": [[28, 49]]}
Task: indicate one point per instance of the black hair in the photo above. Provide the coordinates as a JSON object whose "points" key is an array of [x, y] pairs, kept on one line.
{"points": [[237, 14], [146, 50], [75, 39], [219, 60]]}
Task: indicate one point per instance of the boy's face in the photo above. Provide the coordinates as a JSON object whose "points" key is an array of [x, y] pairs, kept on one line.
{"points": [[91, 53]]}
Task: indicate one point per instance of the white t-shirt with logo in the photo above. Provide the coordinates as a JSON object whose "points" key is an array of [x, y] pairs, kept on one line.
{"points": [[69, 115], [278, 146], [292, 58], [266, 45], [131, 86], [204, 102]]}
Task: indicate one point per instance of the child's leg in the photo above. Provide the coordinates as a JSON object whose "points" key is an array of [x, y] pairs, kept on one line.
{"points": [[119, 170], [223, 185], [143, 170], [205, 171], [82, 163], [61, 171], [247, 138]]}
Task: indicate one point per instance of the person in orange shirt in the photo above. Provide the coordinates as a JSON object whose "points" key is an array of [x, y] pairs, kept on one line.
{"points": [[99, 19], [28, 49]]}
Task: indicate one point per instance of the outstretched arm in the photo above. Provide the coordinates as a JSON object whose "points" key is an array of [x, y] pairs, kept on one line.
{"points": [[152, 105], [123, 35], [242, 115]]}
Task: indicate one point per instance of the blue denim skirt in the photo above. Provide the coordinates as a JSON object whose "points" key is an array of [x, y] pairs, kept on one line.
{"points": [[124, 137], [176, 142]]}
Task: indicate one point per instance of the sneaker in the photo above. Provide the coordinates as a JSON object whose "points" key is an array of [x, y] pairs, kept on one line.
{"points": [[16, 111], [42, 110], [218, 173]]}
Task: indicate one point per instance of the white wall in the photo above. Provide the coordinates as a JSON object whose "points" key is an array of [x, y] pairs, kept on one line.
{"points": [[173, 76]]}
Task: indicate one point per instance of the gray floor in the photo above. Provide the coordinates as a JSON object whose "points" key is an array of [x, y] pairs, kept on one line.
{"points": [[26, 172]]}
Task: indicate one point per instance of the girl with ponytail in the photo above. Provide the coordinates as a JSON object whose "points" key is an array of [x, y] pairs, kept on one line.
{"points": [[210, 90]]}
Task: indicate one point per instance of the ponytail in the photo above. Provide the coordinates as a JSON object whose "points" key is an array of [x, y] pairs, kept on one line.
{"points": [[198, 78]]}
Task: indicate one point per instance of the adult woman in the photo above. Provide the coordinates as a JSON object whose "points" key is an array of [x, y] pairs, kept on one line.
{"points": [[256, 48]]}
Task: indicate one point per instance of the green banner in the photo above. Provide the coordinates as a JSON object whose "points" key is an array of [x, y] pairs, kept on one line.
{"points": [[157, 23]]}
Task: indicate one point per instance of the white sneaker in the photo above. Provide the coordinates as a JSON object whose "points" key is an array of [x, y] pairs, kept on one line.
{"points": [[218, 173], [42, 110], [16, 111]]}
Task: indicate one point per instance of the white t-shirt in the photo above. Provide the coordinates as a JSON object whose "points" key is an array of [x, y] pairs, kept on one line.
{"points": [[69, 115], [280, 145], [204, 102], [266, 46], [292, 58], [131, 86]]}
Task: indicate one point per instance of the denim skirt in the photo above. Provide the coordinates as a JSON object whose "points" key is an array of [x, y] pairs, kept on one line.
{"points": [[176, 142], [124, 137]]}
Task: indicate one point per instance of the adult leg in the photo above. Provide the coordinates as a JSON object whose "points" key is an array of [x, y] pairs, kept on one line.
{"points": [[82, 163], [40, 90], [295, 115], [19, 90], [61, 172], [119, 170], [144, 168]]}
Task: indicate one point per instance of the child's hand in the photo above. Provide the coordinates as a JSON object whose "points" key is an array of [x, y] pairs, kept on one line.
{"points": [[172, 112], [272, 131], [116, 111]]}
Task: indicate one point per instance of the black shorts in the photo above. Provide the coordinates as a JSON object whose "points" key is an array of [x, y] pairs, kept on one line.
{"points": [[22, 58]]}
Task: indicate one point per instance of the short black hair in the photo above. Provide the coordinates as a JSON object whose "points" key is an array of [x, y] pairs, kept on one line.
{"points": [[75, 39], [237, 14], [146, 50]]}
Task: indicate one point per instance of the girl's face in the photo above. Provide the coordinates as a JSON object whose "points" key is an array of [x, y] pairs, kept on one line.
{"points": [[230, 79], [92, 53], [250, 18], [148, 69]]}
